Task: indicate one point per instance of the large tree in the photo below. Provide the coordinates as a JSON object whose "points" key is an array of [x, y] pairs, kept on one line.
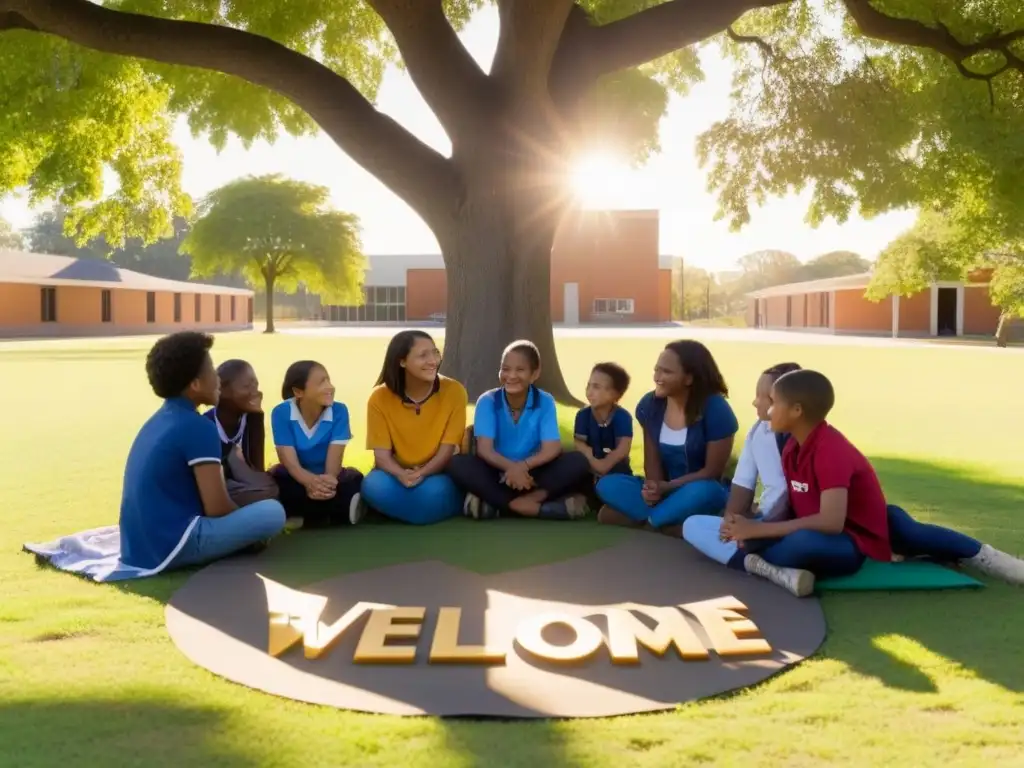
{"points": [[280, 234], [847, 118]]}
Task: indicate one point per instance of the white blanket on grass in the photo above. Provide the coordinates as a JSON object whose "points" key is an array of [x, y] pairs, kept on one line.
{"points": [[96, 554]]}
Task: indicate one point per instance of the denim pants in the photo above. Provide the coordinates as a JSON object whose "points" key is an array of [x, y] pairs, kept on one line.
{"points": [[834, 555], [215, 537], [701, 497], [433, 500]]}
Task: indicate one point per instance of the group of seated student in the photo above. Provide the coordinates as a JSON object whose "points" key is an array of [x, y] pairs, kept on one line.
{"points": [[196, 487]]}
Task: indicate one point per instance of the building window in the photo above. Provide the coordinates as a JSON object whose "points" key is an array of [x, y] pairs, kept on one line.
{"points": [[249, 310], [150, 307], [177, 307], [106, 306], [381, 303], [232, 309], [197, 311], [613, 306], [48, 308], [216, 309]]}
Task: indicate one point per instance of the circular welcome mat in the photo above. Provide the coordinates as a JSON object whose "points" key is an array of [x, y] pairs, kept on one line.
{"points": [[630, 622]]}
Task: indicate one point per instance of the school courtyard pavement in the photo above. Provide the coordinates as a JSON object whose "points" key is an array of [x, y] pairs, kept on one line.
{"points": [[667, 332]]}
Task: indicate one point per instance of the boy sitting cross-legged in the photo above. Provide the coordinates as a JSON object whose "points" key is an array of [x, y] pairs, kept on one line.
{"points": [[840, 513], [604, 430]]}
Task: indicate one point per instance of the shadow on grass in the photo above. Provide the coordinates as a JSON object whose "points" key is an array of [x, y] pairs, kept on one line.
{"points": [[134, 730], [891, 636]]}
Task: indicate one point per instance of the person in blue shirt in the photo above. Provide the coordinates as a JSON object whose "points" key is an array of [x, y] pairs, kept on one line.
{"points": [[175, 507], [518, 465], [311, 431], [688, 429], [604, 430], [240, 425]]}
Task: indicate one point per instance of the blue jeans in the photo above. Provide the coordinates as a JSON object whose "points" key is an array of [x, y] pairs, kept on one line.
{"points": [[826, 555], [701, 497], [433, 500], [913, 539], [215, 537]]}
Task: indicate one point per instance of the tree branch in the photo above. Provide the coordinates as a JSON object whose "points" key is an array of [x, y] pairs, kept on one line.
{"points": [[440, 66], [764, 45], [651, 34], [411, 169], [527, 43], [877, 25]]}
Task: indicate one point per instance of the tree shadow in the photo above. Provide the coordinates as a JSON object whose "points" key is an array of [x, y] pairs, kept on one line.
{"points": [[132, 730], [877, 633]]}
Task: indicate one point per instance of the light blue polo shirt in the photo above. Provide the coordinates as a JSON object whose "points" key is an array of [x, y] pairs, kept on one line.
{"points": [[310, 443], [538, 423], [160, 499]]}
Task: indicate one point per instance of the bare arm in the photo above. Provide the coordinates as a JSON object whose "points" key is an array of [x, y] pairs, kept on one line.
{"points": [[212, 490], [620, 452], [290, 460], [549, 451], [257, 442], [653, 470], [335, 456], [384, 459], [741, 502], [831, 518], [439, 461], [582, 447], [486, 451]]}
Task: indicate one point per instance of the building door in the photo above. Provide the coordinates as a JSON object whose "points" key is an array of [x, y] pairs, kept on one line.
{"points": [[571, 304], [945, 311]]}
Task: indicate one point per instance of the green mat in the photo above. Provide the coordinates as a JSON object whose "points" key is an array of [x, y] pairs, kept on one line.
{"points": [[913, 574]]}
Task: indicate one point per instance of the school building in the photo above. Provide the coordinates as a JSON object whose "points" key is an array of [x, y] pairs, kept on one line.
{"points": [[838, 305], [605, 267], [43, 295]]}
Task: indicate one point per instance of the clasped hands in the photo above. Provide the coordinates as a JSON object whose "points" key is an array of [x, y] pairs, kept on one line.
{"points": [[737, 528], [518, 477], [322, 487]]}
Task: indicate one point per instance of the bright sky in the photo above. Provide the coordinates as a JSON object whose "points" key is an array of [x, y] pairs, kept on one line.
{"points": [[671, 182]]}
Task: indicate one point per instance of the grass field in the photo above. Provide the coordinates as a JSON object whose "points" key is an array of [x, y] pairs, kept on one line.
{"points": [[89, 677]]}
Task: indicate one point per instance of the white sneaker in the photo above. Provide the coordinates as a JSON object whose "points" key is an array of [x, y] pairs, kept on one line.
{"points": [[793, 580], [356, 509], [998, 564]]}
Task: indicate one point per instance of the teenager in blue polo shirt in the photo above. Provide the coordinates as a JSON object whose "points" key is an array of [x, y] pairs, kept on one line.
{"points": [[311, 431], [688, 429], [518, 465], [604, 430], [175, 508]]}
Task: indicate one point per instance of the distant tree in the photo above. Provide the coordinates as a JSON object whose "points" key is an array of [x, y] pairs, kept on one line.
{"points": [[834, 264], [765, 268], [278, 233], [691, 297], [10, 237]]}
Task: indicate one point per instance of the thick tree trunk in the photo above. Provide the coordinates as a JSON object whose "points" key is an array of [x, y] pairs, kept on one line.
{"points": [[498, 255], [499, 290]]}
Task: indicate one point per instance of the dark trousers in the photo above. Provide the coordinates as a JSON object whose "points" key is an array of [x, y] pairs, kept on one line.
{"points": [[318, 513], [565, 475]]}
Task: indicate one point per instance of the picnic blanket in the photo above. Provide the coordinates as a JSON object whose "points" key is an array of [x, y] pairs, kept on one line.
{"points": [[95, 554]]}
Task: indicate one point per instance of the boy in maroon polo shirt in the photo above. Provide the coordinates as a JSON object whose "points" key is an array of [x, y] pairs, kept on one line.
{"points": [[840, 513]]}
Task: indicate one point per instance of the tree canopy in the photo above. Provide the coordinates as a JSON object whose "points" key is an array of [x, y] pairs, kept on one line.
{"points": [[279, 234], [879, 104], [10, 237], [875, 104]]}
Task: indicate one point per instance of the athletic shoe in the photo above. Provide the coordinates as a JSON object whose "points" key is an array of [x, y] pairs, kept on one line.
{"points": [[478, 509], [793, 580], [357, 509], [577, 507], [293, 524], [998, 564]]}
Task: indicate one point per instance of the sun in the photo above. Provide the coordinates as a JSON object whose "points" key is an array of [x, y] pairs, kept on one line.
{"points": [[600, 180]]}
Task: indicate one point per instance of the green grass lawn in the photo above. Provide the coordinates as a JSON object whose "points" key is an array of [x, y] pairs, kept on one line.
{"points": [[88, 675]]}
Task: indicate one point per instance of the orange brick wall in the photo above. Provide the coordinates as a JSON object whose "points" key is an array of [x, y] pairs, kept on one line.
{"points": [[980, 317], [855, 313], [80, 311], [916, 313], [610, 255], [426, 293]]}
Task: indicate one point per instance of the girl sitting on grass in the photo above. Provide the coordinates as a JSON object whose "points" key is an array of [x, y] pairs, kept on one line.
{"points": [[415, 421], [311, 431], [518, 465], [688, 429]]}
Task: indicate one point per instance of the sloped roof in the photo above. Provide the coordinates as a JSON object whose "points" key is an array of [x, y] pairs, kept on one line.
{"points": [[45, 269], [844, 283]]}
